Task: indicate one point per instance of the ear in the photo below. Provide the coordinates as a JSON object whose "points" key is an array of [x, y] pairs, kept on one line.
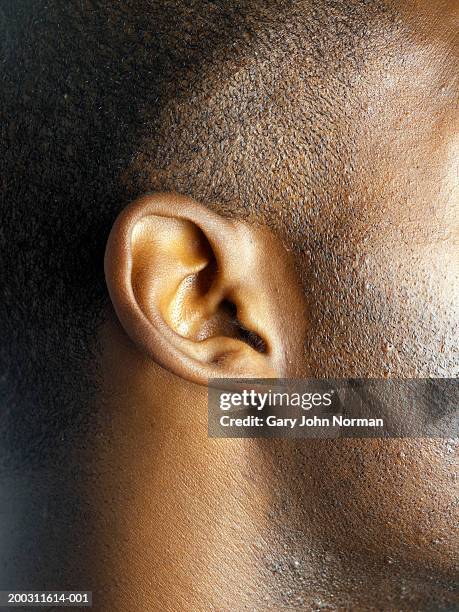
{"points": [[199, 293]]}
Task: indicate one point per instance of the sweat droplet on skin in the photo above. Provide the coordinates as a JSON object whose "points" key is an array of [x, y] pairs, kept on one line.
{"points": [[388, 347]]}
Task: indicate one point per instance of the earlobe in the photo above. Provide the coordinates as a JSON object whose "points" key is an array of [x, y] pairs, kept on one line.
{"points": [[188, 288]]}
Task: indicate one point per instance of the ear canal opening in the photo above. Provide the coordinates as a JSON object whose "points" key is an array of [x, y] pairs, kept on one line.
{"points": [[245, 335], [253, 339]]}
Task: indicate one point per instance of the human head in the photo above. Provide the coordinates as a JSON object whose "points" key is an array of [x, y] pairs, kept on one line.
{"points": [[331, 125]]}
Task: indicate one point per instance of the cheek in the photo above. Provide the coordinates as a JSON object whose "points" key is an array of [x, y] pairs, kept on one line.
{"points": [[384, 310], [413, 294]]}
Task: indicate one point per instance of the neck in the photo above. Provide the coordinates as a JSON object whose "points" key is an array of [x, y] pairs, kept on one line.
{"points": [[207, 523]]}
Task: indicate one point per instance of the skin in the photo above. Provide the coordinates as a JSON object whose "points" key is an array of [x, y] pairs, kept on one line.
{"points": [[243, 524], [168, 519], [349, 524]]}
